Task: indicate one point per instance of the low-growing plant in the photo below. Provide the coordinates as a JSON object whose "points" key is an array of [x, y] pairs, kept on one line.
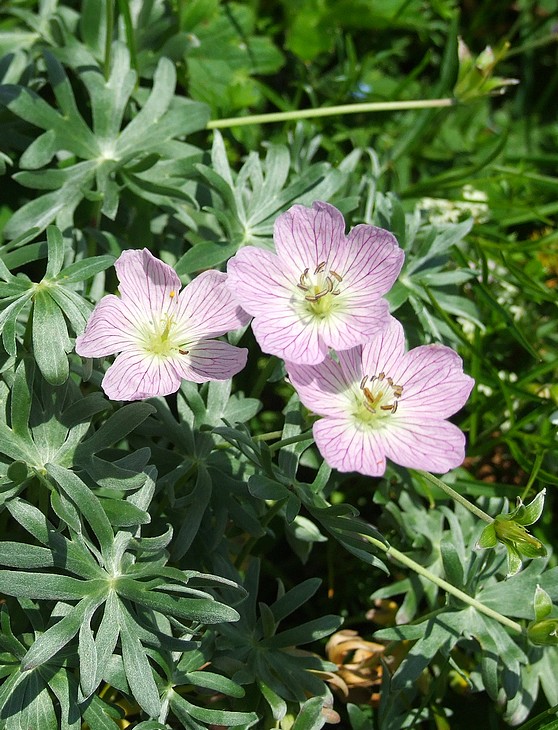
{"points": [[332, 404]]}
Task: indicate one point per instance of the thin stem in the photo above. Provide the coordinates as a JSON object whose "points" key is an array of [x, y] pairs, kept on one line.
{"points": [[270, 436], [455, 495], [108, 39], [249, 544], [366, 107], [535, 722], [441, 583], [291, 440], [263, 376]]}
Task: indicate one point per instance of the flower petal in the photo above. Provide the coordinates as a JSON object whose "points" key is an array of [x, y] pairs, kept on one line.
{"points": [[370, 262], [109, 329], [206, 308], [430, 444], [135, 376], [433, 381], [354, 325], [304, 237], [256, 278], [285, 334], [348, 448], [210, 360], [328, 388], [385, 351], [146, 280]]}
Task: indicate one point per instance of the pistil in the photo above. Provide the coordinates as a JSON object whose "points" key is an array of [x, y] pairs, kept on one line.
{"points": [[381, 396], [318, 285]]}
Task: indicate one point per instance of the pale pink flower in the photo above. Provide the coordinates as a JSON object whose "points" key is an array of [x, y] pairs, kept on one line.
{"points": [[163, 335], [379, 401], [321, 289]]}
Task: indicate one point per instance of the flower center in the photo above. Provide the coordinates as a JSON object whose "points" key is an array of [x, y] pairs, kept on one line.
{"points": [[161, 337], [380, 398], [320, 289], [159, 341]]}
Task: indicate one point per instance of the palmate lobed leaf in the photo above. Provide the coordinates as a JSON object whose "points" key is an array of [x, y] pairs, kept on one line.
{"points": [[204, 610], [103, 150]]}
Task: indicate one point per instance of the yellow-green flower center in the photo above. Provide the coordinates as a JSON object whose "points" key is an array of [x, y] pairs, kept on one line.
{"points": [[162, 338], [159, 341], [320, 289], [378, 399]]}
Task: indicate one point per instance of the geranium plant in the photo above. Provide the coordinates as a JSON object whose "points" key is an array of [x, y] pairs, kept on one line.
{"points": [[254, 392]]}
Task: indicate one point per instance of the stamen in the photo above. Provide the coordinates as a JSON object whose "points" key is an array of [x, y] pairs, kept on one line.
{"points": [[329, 283], [375, 397], [320, 267], [316, 297], [183, 352], [301, 286], [336, 275]]}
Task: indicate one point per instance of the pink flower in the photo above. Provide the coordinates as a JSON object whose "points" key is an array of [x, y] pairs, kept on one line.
{"points": [[379, 401], [321, 289], [163, 335]]}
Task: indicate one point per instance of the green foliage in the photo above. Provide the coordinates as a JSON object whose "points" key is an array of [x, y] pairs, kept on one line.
{"points": [[180, 563], [102, 157], [509, 529]]}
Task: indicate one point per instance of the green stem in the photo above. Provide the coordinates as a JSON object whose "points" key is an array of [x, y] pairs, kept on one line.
{"points": [[265, 373], [534, 723], [270, 436], [249, 544], [108, 39], [291, 440], [400, 557], [366, 107], [455, 495]]}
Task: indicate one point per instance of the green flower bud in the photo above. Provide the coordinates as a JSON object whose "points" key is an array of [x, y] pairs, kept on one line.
{"points": [[474, 78], [543, 633]]}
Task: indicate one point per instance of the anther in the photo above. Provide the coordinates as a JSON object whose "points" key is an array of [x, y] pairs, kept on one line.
{"points": [[183, 352], [363, 382], [381, 376], [329, 283], [336, 275], [387, 408], [302, 280], [301, 286], [316, 297], [319, 268]]}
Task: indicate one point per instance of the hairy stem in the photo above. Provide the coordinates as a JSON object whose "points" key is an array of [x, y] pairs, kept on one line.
{"points": [[291, 440], [455, 495], [366, 107], [441, 583]]}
